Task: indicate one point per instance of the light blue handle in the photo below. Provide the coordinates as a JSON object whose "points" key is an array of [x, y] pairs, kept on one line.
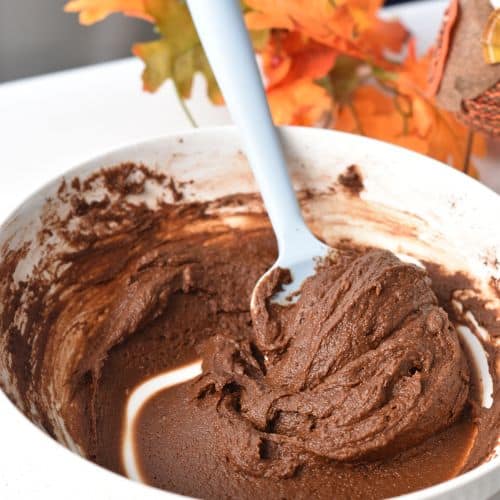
{"points": [[226, 42]]}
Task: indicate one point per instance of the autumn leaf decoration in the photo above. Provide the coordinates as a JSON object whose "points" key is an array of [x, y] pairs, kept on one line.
{"points": [[176, 55], [328, 63]]}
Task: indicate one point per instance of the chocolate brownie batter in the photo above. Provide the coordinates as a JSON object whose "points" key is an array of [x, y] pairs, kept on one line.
{"points": [[366, 364], [361, 389]]}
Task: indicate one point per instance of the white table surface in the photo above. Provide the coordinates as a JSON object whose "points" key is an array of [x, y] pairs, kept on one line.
{"points": [[51, 123]]}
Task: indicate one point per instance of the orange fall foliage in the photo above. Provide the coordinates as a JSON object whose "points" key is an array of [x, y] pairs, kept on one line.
{"points": [[327, 63]]}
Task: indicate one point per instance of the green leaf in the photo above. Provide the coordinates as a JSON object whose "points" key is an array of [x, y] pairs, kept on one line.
{"points": [[178, 54]]}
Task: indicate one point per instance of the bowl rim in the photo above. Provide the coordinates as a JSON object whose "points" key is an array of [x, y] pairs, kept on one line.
{"points": [[446, 487]]}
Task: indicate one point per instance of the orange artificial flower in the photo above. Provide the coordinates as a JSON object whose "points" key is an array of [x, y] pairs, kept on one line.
{"points": [[348, 26], [92, 11], [409, 121], [290, 55], [299, 103]]}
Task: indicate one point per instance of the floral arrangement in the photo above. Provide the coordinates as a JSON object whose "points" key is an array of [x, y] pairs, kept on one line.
{"points": [[327, 63]]}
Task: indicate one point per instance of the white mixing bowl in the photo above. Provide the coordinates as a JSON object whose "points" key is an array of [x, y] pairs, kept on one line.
{"points": [[453, 220]]}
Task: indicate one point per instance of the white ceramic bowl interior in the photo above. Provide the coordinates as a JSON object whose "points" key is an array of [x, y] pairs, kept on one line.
{"points": [[449, 218]]}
